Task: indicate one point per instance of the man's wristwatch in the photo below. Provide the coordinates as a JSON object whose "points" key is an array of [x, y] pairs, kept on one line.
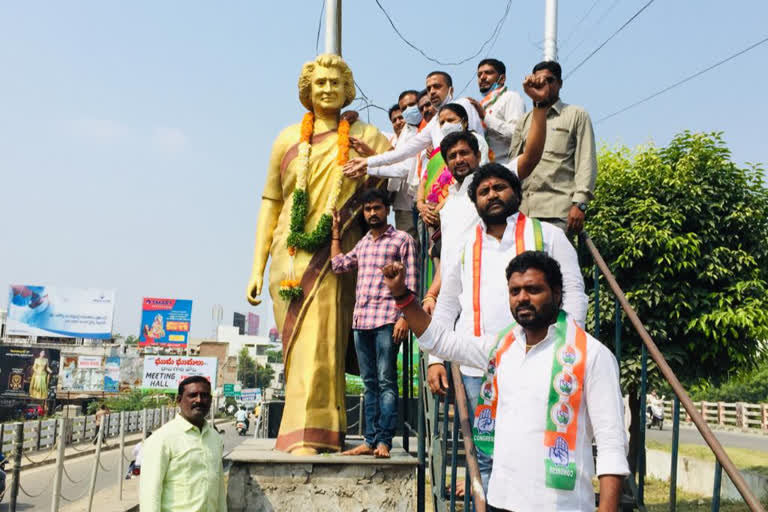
{"points": [[581, 206]]}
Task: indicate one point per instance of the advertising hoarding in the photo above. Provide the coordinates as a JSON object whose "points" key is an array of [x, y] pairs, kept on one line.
{"points": [[166, 372], [165, 322], [82, 373], [60, 312], [112, 375], [27, 372]]}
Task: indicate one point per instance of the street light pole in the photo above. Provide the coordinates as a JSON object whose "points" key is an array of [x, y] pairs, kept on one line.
{"points": [[550, 30], [333, 27]]}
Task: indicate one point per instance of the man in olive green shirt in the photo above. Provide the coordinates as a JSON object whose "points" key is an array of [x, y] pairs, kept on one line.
{"points": [[181, 468], [560, 186]]}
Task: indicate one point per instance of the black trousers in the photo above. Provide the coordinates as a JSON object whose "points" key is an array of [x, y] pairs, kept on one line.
{"points": [[491, 508]]}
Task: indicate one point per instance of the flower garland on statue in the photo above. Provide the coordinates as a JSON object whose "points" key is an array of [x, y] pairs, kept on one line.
{"points": [[290, 288]]}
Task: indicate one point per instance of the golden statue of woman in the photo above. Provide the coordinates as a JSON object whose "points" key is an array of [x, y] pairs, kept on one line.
{"points": [[38, 384], [312, 305]]}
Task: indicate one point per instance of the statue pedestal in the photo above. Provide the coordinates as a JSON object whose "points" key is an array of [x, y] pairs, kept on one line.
{"points": [[263, 479]]}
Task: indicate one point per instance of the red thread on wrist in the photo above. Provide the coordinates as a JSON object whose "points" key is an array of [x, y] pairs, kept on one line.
{"points": [[406, 302]]}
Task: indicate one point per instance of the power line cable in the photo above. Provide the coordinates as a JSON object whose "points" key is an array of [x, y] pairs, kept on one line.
{"points": [[684, 80], [630, 20], [433, 59], [592, 29], [578, 23], [495, 36], [319, 24]]}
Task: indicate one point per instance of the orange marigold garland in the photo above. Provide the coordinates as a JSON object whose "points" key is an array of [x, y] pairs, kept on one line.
{"points": [[297, 239]]}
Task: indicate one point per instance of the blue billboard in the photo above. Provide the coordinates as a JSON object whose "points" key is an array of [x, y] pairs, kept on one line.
{"points": [[165, 322]]}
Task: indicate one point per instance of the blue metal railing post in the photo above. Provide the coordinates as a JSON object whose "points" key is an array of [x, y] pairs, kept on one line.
{"points": [[641, 437], [675, 443], [454, 451], [597, 302], [617, 332], [716, 488], [421, 481], [467, 488]]}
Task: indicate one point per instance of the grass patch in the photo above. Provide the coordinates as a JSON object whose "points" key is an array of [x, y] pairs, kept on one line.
{"points": [[749, 460], [657, 500]]}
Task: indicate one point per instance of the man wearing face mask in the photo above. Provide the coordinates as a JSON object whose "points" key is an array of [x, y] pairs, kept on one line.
{"points": [[500, 109], [440, 91], [403, 176]]}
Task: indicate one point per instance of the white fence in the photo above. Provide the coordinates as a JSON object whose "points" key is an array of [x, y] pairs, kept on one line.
{"points": [[740, 414], [41, 434]]}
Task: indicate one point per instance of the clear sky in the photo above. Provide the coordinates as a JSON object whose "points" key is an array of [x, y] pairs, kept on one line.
{"points": [[134, 136]]}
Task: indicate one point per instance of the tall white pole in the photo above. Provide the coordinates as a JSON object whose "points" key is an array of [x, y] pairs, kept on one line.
{"points": [[333, 26], [550, 30]]}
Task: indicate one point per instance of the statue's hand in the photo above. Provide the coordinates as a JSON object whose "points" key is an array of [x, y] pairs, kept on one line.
{"points": [[254, 289]]}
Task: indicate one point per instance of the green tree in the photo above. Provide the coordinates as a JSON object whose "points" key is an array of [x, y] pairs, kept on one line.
{"points": [[275, 356], [246, 369], [685, 232], [264, 375]]}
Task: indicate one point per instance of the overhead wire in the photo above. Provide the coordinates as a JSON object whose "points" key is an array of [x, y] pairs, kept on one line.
{"points": [[319, 24], [433, 59], [578, 23], [684, 80], [626, 23], [592, 28]]}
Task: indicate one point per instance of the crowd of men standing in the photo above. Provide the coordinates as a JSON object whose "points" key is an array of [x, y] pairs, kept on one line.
{"points": [[494, 191]]}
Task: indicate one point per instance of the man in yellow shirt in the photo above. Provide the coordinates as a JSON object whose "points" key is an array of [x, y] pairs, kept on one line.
{"points": [[182, 466]]}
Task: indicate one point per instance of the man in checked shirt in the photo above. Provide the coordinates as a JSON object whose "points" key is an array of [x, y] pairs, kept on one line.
{"points": [[377, 325]]}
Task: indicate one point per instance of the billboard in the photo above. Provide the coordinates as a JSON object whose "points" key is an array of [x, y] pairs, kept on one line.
{"points": [[131, 371], [251, 395], [165, 372], [60, 312], [165, 322], [253, 324], [238, 320], [82, 373], [112, 375], [27, 372]]}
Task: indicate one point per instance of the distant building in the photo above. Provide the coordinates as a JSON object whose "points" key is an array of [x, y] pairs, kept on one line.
{"points": [[257, 345], [226, 365], [252, 326], [238, 320]]}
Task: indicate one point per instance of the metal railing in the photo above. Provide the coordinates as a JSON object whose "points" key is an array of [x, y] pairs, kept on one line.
{"points": [[442, 420], [55, 435]]}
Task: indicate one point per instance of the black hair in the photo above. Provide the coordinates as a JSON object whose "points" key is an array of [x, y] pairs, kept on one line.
{"points": [[191, 380], [375, 194], [450, 140], [456, 109], [392, 109], [448, 79], [421, 95], [497, 171], [552, 66], [495, 64], [538, 260], [406, 93]]}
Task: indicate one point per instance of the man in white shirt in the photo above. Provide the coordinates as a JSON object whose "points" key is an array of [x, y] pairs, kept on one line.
{"points": [[242, 415], [403, 176], [549, 390], [471, 283], [500, 109], [440, 90]]}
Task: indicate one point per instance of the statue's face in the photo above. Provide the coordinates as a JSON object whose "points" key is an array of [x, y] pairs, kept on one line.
{"points": [[327, 89]]}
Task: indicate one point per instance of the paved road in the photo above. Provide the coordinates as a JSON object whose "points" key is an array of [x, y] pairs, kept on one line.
{"points": [[690, 435], [40, 480]]}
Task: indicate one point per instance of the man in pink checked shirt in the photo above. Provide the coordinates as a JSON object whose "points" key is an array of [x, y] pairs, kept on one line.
{"points": [[377, 325]]}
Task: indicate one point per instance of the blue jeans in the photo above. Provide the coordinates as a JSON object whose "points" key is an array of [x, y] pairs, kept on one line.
{"points": [[377, 356], [484, 462]]}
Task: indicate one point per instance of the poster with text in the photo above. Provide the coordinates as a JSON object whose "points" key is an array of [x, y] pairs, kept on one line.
{"points": [[166, 372], [165, 322], [83, 373], [60, 312], [27, 372]]}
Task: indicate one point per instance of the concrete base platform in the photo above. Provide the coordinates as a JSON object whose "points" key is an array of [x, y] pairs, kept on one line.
{"points": [[263, 479]]}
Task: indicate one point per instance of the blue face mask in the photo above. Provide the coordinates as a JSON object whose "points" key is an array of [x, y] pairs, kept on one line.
{"points": [[412, 115]]}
